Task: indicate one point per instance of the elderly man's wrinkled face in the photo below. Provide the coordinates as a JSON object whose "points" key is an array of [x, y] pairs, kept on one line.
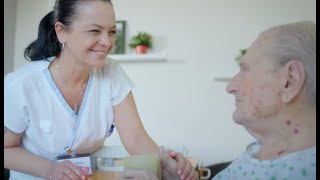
{"points": [[256, 87]]}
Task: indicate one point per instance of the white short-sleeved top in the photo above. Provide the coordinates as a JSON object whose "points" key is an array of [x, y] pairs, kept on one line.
{"points": [[300, 165], [34, 106]]}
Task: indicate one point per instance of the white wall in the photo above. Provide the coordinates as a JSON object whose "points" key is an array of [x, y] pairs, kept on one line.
{"points": [[178, 101], [9, 21]]}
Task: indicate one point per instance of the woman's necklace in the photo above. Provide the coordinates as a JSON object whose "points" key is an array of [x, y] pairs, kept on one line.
{"points": [[76, 104]]}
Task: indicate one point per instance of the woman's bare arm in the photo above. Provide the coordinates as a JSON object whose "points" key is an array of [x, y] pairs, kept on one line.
{"points": [[19, 159], [132, 133]]}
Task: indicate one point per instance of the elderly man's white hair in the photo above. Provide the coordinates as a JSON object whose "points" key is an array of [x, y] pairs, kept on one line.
{"points": [[295, 41]]}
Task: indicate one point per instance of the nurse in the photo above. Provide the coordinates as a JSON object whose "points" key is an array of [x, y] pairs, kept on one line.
{"points": [[70, 96]]}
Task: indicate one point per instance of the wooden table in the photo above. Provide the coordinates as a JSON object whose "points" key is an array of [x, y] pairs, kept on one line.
{"points": [[102, 175]]}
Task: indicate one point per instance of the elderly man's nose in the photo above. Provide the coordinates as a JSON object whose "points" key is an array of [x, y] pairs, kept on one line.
{"points": [[232, 86]]}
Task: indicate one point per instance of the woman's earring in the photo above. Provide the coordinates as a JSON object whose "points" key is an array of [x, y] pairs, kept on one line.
{"points": [[62, 46]]}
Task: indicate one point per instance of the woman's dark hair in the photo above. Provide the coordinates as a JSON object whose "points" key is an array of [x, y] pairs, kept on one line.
{"points": [[47, 44]]}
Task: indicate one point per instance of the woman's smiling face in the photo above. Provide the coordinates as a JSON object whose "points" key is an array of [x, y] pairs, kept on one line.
{"points": [[91, 35]]}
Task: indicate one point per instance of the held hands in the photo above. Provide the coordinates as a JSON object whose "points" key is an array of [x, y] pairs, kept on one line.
{"points": [[168, 166], [174, 166], [168, 169], [65, 170], [182, 168]]}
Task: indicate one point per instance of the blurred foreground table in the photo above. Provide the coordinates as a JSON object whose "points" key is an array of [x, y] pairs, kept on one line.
{"points": [[114, 175], [101, 175]]}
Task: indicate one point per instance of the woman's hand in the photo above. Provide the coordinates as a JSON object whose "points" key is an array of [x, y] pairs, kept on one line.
{"points": [[65, 170]]}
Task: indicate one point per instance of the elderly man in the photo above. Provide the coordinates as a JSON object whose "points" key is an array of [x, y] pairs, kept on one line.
{"points": [[275, 99]]}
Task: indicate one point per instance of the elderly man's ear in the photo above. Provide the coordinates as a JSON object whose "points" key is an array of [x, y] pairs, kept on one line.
{"points": [[294, 77]]}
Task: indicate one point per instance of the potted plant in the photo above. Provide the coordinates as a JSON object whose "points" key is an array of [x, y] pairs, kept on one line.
{"points": [[141, 42]]}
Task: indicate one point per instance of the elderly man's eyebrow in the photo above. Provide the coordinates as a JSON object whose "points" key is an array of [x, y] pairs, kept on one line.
{"points": [[241, 64]]}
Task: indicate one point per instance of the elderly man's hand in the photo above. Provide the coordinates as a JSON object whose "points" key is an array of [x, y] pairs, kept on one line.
{"points": [[168, 166], [175, 165]]}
